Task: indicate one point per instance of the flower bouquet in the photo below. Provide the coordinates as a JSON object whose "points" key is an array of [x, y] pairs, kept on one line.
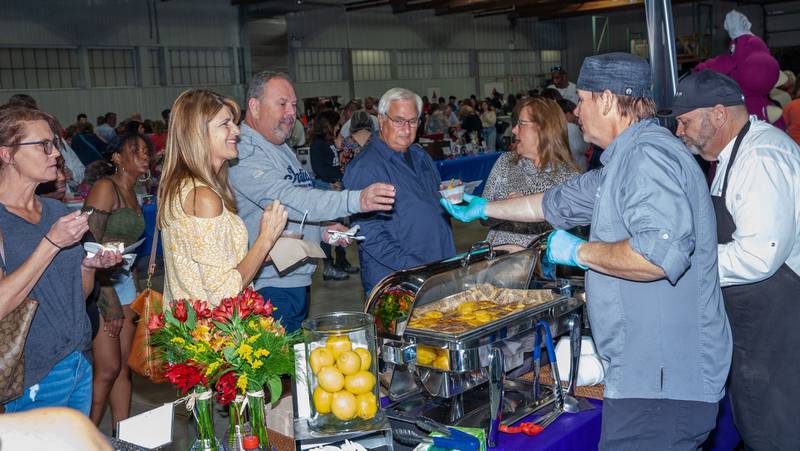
{"points": [[236, 348], [256, 352]]}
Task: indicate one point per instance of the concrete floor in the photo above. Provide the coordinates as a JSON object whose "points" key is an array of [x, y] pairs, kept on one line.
{"points": [[326, 296]]}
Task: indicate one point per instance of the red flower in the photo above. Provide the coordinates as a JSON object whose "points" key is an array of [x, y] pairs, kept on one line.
{"points": [[184, 376], [179, 310], [201, 309], [223, 311], [226, 388], [268, 308], [156, 321]]}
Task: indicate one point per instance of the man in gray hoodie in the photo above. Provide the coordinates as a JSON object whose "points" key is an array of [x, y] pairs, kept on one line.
{"points": [[267, 169]]}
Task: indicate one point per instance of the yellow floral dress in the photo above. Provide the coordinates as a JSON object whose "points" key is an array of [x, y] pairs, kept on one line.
{"points": [[201, 254]]}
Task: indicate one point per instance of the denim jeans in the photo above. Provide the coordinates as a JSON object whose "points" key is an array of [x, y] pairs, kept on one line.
{"points": [[68, 384], [291, 304], [490, 138]]}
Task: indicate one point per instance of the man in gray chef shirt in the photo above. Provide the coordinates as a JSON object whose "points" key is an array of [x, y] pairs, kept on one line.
{"points": [[652, 285]]}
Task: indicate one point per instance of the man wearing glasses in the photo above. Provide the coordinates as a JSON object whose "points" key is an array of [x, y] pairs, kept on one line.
{"points": [[417, 230]]}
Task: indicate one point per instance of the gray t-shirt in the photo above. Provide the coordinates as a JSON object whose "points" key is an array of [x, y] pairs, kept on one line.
{"points": [[60, 325]]}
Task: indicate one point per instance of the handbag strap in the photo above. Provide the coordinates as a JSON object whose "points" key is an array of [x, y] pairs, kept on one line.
{"points": [[2, 249], [151, 266]]}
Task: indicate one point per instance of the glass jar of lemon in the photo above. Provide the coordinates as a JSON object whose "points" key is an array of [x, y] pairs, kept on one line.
{"points": [[342, 372]]}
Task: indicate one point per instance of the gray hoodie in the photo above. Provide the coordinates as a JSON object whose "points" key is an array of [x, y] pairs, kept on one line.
{"points": [[264, 172]]}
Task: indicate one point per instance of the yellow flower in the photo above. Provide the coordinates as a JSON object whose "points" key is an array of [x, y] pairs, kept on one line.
{"points": [[241, 383], [202, 333], [251, 324], [211, 368], [178, 341], [190, 348], [245, 351], [253, 338], [266, 323], [261, 353], [257, 364]]}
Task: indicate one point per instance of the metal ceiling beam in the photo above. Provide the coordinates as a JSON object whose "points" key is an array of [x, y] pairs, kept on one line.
{"points": [[365, 4], [404, 6], [553, 10]]}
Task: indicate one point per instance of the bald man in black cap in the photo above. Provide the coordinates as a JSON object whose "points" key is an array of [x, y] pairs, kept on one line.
{"points": [[652, 286], [756, 195]]}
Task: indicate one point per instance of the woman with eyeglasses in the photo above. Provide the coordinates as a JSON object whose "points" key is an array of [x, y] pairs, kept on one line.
{"points": [[541, 159], [117, 218], [43, 259]]}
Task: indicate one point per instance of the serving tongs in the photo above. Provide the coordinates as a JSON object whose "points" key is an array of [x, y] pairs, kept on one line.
{"points": [[452, 437]]}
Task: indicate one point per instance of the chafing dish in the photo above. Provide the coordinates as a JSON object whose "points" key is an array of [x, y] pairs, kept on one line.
{"points": [[453, 388]]}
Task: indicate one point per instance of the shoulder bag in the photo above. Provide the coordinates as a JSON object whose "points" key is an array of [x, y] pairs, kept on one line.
{"points": [[14, 329]]}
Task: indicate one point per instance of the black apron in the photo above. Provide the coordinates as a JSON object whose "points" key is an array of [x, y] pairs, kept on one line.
{"points": [[764, 383]]}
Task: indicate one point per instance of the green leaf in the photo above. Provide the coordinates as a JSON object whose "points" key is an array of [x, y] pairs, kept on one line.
{"points": [[229, 353], [191, 316], [171, 319], [275, 387]]}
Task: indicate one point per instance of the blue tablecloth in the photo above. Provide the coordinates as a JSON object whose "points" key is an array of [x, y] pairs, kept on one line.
{"points": [[469, 169], [149, 212]]}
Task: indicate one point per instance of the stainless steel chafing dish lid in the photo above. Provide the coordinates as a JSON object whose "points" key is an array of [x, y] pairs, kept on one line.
{"points": [[395, 297]]}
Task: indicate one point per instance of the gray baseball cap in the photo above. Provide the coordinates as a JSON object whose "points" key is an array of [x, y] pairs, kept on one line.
{"points": [[621, 73], [706, 89]]}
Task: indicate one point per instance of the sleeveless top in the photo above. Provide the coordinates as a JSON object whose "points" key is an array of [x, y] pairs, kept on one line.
{"points": [[201, 254]]}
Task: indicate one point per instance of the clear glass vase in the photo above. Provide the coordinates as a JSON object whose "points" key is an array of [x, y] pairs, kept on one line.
{"points": [[342, 372], [204, 419], [238, 428], [258, 418]]}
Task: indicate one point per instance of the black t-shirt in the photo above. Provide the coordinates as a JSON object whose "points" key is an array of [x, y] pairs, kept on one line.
{"points": [[325, 161]]}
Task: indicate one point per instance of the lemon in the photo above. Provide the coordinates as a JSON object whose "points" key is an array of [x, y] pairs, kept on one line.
{"points": [[338, 344], [367, 405], [320, 357], [348, 363], [359, 383], [425, 355], [442, 363], [322, 400], [344, 405], [330, 379], [366, 357]]}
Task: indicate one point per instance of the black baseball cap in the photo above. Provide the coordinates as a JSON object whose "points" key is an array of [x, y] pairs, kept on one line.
{"points": [[706, 89]]}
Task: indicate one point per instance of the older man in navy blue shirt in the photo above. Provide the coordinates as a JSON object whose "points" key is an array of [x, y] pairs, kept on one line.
{"points": [[652, 288], [418, 230]]}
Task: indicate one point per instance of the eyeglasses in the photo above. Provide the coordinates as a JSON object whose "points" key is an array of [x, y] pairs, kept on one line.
{"points": [[520, 122], [412, 123], [47, 145]]}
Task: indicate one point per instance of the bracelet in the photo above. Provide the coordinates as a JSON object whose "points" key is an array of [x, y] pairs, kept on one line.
{"points": [[51, 242]]}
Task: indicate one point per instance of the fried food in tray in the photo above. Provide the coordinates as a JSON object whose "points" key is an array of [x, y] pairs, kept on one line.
{"points": [[475, 307]]}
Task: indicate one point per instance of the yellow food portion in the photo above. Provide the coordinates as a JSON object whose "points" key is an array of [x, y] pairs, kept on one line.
{"points": [[366, 357], [344, 406], [433, 315], [348, 363], [466, 308], [330, 379], [338, 344], [442, 362], [322, 400], [320, 357], [367, 405], [425, 355], [359, 383]]}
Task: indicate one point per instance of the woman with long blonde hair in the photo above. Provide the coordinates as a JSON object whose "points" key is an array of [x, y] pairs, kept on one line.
{"points": [[205, 242]]}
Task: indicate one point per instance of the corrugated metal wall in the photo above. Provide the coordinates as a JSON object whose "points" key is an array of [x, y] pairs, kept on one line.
{"points": [[117, 23]]}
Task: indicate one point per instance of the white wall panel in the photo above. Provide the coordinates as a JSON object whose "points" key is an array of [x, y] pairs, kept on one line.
{"points": [[118, 22]]}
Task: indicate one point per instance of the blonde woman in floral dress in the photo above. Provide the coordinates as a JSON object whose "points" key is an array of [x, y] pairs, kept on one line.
{"points": [[205, 242]]}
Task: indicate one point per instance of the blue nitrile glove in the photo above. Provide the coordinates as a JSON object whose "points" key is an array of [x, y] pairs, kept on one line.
{"points": [[548, 268], [476, 209], [562, 248]]}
